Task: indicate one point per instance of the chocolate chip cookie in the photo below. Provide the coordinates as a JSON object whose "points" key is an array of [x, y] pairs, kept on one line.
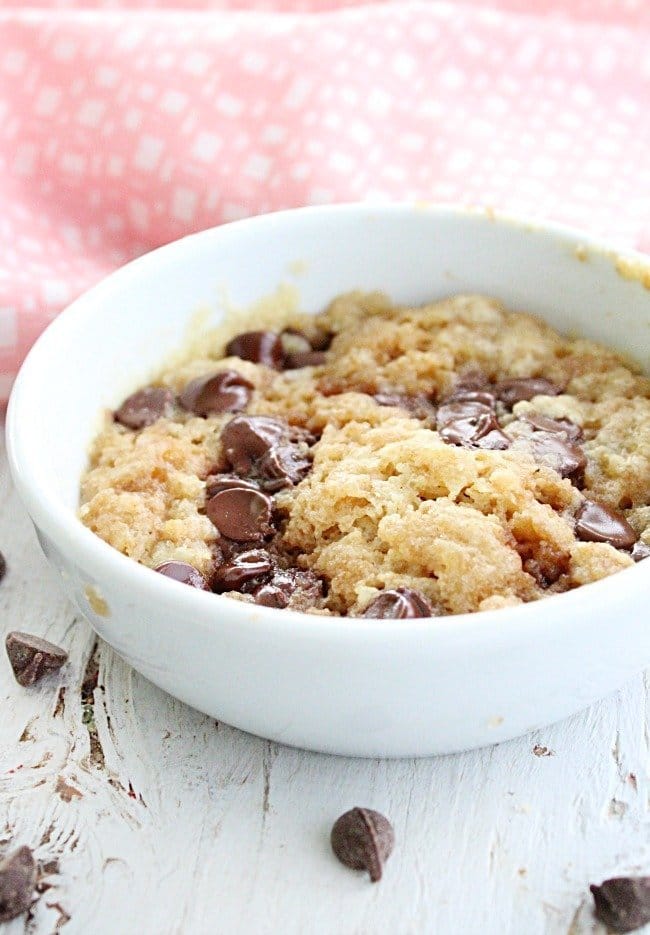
{"points": [[381, 461]]}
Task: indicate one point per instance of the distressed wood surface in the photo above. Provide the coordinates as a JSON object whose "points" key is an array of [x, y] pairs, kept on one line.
{"points": [[151, 818]]}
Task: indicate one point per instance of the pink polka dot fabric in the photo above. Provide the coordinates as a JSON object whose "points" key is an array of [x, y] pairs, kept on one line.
{"points": [[122, 129]]}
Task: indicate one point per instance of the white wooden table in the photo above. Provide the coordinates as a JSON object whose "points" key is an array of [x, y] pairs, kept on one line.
{"points": [[161, 820]]}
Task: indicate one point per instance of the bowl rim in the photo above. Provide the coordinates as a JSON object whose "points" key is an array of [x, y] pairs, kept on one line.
{"points": [[97, 558]]}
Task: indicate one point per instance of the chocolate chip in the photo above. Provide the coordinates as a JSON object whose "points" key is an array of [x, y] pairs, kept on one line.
{"points": [[290, 587], [186, 574], [3, 566], [31, 657], [363, 840], [304, 359], [623, 903], [398, 604], [554, 451], [640, 551], [262, 347], [475, 432], [454, 409], [18, 876], [282, 466], [544, 562], [243, 572], [543, 423], [216, 483], [270, 595], [145, 407], [518, 389], [241, 514], [246, 438], [227, 391], [595, 522]]}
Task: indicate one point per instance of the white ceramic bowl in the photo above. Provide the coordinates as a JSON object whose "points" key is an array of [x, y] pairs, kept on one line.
{"points": [[349, 686]]}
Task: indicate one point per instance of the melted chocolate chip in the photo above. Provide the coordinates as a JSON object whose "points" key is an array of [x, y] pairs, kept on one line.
{"points": [[216, 483], [241, 514], [304, 359], [186, 574], [640, 551], [399, 604], [475, 432], [518, 389], [145, 407], [282, 466], [556, 452], [595, 522], [227, 391], [543, 423], [18, 877], [261, 347], [290, 587], [246, 438], [456, 409], [31, 657], [243, 572]]}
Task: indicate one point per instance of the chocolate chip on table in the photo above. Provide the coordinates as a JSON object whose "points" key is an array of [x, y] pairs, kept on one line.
{"points": [[243, 572], [363, 840], [246, 438], [282, 466], [183, 572], [31, 657], [518, 389], [241, 514], [227, 391], [398, 604], [640, 551], [304, 359], [18, 877], [3, 566], [260, 347], [145, 407], [595, 522], [623, 903], [551, 449], [543, 423]]}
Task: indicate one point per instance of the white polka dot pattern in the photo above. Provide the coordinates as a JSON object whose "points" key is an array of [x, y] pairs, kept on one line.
{"points": [[124, 129]]}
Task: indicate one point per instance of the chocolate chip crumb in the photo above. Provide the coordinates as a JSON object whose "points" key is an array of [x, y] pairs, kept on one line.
{"points": [[3, 566], [363, 840], [623, 903], [31, 657], [18, 873]]}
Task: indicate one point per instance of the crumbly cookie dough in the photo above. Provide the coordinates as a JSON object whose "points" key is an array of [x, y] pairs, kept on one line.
{"points": [[394, 489]]}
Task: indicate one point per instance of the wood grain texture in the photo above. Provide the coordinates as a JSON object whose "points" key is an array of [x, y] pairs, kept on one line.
{"points": [[161, 820]]}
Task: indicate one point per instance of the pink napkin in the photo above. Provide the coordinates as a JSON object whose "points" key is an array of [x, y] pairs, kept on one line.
{"points": [[121, 129]]}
